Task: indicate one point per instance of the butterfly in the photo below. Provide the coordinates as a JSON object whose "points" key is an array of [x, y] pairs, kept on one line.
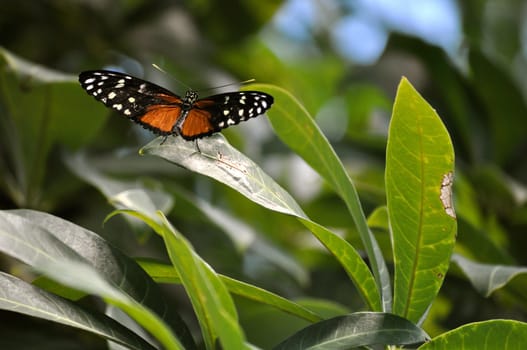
{"points": [[164, 112]]}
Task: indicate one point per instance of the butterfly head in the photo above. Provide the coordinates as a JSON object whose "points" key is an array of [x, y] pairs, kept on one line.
{"points": [[191, 96]]}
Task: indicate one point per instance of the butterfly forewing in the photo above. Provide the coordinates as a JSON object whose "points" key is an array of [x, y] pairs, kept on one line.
{"points": [[166, 113]]}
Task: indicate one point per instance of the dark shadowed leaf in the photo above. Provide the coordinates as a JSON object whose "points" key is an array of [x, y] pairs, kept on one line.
{"points": [[355, 330], [19, 296]]}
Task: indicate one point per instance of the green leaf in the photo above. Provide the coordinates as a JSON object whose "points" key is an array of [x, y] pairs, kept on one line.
{"points": [[355, 330], [487, 278], [217, 159], [419, 175], [297, 129], [46, 253], [487, 335], [165, 273], [21, 297], [111, 262]]}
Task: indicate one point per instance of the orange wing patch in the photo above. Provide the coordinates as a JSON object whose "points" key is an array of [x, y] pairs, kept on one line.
{"points": [[161, 118], [196, 124]]}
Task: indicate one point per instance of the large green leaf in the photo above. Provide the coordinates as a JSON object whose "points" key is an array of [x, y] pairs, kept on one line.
{"points": [[355, 330], [217, 159], [90, 273], [487, 335], [419, 176]]}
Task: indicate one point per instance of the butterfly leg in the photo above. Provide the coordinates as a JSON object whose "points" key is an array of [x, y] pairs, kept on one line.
{"points": [[197, 145], [164, 140]]}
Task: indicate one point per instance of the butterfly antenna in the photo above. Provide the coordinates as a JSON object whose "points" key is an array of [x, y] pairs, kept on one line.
{"points": [[171, 76], [222, 86]]}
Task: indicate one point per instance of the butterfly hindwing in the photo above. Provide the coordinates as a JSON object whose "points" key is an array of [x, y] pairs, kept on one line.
{"points": [[234, 107]]}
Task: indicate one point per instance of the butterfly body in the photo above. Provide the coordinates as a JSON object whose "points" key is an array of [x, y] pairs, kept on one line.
{"points": [[165, 113]]}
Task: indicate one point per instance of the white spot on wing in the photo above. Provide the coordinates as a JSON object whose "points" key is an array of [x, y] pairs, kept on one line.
{"points": [[120, 85], [89, 87], [127, 112], [230, 122], [131, 99], [112, 95], [117, 106], [226, 112], [89, 80]]}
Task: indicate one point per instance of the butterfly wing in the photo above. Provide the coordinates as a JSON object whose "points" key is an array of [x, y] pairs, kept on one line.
{"points": [[164, 112], [148, 104], [211, 114]]}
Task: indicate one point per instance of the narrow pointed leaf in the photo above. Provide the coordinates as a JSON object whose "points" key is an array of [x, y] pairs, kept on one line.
{"points": [[212, 303], [165, 273], [419, 175]]}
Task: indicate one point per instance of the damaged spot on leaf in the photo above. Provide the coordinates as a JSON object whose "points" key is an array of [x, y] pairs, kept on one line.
{"points": [[446, 193]]}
